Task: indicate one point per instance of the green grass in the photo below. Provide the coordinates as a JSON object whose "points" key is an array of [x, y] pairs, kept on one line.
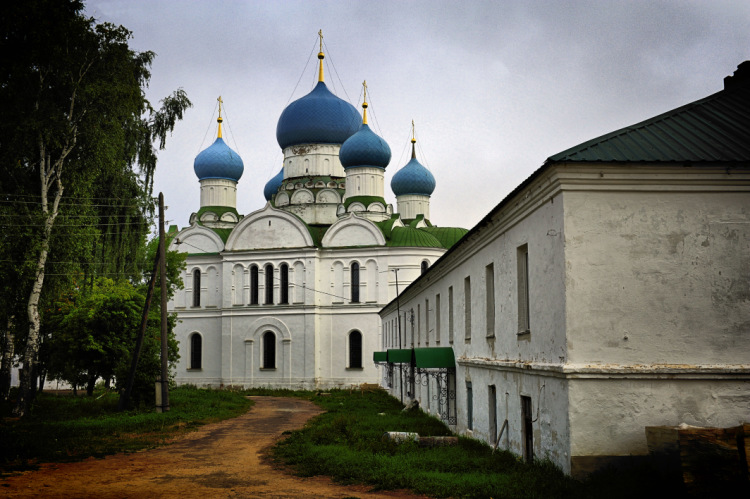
{"points": [[346, 443], [68, 428]]}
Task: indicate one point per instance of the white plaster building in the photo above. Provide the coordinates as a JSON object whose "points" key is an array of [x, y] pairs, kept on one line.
{"points": [[288, 296], [608, 292]]}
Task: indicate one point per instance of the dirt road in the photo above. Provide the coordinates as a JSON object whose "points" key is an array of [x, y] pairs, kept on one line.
{"points": [[219, 460]]}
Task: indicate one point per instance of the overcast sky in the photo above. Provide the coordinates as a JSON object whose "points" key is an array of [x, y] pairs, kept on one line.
{"points": [[494, 88]]}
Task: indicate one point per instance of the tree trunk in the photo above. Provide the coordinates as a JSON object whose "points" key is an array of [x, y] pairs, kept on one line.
{"points": [[6, 363], [49, 174], [91, 384]]}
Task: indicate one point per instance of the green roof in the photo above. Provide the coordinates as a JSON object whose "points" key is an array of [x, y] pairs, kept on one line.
{"points": [[434, 358], [411, 237], [399, 356], [218, 210], [447, 236], [715, 128], [223, 233], [365, 200], [379, 356]]}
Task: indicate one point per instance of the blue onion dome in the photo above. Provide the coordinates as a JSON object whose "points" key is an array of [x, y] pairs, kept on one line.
{"points": [[218, 161], [272, 186], [413, 178], [317, 118], [365, 148]]}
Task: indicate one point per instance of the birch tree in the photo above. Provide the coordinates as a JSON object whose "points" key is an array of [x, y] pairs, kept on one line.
{"points": [[74, 120]]}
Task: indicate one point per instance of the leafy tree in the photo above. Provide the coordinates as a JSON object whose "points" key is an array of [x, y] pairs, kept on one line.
{"points": [[77, 159]]}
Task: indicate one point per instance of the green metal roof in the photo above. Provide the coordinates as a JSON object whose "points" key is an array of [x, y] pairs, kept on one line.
{"points": [[223, 233], [399, 356], [379, 356], [434, 358], [411, 237], [447, 236], [365, 200], [715, 128]]}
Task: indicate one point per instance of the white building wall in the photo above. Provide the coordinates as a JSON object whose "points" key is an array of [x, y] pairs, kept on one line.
{"points": [[218, 192], [312, 160], [411, 205]]}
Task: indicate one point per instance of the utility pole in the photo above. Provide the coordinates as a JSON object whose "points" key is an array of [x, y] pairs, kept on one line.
{"points": [[398, 311], [164, 407]]}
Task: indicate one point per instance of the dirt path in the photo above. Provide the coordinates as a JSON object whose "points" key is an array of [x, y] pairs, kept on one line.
{"points": [[219, 460]]}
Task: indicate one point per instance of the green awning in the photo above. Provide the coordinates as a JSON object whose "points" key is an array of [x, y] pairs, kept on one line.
{"points": [[399, 356], [434, 358], [379, 356]]}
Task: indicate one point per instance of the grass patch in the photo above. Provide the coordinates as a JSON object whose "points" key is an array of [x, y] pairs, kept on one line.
{"points": [[67, 428], [346, 443]]}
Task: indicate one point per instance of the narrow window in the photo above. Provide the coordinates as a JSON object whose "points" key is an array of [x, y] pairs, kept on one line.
{"points": [[437, 318], [419, 324], [527, 429], [269, 284], [269, 350], [469, 407], [425, 264], [467, 309], [489, 282], [427, 322], [450, 314], [523, 289], [492, 405], [254, 285], [197, 288], [355, 282], [355, 350], [196, 351], [284, 277]]}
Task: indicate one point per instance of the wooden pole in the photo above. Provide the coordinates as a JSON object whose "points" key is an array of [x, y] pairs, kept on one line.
{"points": [[124, 401], [164, 325]]}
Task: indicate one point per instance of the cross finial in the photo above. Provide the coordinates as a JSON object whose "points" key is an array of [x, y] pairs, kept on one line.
{"points": [[413, 141], [321, 55], [364, 103], [219, 119]]}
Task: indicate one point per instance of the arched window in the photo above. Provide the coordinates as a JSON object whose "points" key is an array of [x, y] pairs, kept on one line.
{"points": [[355, 350], [197, 288], [284, 277], [269, 350], [425, 264], [254, 285], [355, 282], [196, 351], [269, 284]]}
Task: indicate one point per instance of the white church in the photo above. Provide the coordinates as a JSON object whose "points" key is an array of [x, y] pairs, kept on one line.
{"points": [[288, 296]]}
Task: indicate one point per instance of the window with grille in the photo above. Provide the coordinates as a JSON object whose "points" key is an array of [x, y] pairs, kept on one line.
{"points": [[196, 351], [284, 278], [197, 288], [355, 282], [254, 285], [269, 284]]}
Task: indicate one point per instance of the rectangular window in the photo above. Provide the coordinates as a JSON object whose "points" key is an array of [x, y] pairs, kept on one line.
{"points": [[489, 283], [527, 429], [467, 309], [492, 405], [450, 314], [437, 318], [427, 322], [522, 256], [469, 407], [419, 325]]}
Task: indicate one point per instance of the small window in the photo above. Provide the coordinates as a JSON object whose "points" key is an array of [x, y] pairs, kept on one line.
{"points": [[527, 429], [355, 282], [197, 288], [269, 350], [450, 314], [254, 285], [437, 318], [469, 407], [523, 289], [489, 282], [425, 265], [284, 277], [269, 284], [196, 351], [355, 350], [467, 309]]}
